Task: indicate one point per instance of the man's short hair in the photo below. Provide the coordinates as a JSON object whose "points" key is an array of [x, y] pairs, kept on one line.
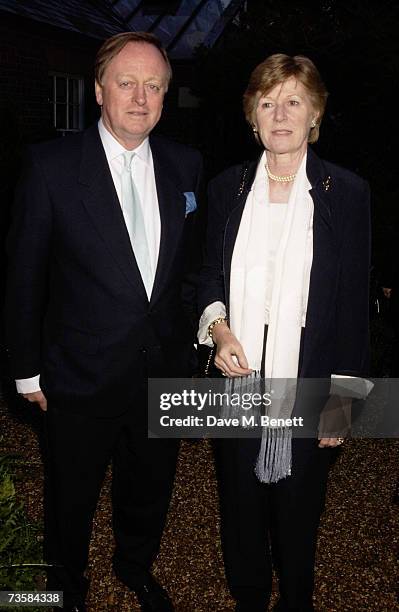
{"points": [[112, 46]]}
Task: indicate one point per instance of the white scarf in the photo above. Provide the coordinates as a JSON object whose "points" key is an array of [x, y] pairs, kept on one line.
{"points": [[291, 277], [287, 313]]}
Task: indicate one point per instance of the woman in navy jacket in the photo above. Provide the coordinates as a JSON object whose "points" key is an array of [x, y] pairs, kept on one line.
{"points": [[284, 293]]}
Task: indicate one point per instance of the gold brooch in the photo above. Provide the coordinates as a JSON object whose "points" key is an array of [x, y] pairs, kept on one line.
{"points": [[327, 183]]}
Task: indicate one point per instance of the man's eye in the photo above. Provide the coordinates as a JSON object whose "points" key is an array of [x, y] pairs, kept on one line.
{"points": [[124, 84], [153, 87]]}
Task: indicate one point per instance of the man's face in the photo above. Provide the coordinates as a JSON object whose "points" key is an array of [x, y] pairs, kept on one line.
{"points": [[132, 91]]}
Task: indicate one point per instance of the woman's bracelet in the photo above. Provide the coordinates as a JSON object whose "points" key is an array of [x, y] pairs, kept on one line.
{"points": [[213, 324]]}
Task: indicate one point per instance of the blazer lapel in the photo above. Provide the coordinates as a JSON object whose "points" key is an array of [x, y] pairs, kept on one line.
{"points": [[321, 187], [101, 202], [323, 273], [244, 186], [171, 203]]}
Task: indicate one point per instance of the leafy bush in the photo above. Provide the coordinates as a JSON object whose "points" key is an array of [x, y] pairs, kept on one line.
{"points": [[20, 545]]}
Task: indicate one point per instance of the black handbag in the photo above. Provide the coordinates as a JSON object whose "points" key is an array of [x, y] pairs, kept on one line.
{"points": [[206, 354]]}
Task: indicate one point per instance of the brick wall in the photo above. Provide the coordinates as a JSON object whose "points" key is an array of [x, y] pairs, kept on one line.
{"points": [[30, 50]]}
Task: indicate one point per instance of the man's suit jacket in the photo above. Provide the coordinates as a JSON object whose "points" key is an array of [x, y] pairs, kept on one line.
{"points": [[335, 339], [77, 310]]}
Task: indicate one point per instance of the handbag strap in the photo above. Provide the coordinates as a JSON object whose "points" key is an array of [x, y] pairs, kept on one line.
{"points": [[243, 180], [209, 360]]}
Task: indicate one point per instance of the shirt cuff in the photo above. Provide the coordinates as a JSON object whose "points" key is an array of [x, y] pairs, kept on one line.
{"points": [[350, 386], [212, 312], [28, 385]]}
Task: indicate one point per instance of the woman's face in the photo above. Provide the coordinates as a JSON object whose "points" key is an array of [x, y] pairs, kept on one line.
{"points": [[283, 117]]}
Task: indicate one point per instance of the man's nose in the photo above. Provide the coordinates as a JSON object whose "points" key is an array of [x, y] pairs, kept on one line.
{"points": [[139, 94]]}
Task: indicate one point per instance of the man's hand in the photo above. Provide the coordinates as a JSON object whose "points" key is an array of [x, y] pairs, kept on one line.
{"points": [[38, 397], [387, 292], [227, 347]]}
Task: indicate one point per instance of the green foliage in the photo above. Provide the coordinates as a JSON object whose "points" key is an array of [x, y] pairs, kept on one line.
{"points": [[19, 539]]}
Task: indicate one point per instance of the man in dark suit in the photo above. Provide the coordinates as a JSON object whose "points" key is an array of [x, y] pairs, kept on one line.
{"points": [[98, 255]]}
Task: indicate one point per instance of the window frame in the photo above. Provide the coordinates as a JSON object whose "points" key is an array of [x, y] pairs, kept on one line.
{"points": [[53, 102]]}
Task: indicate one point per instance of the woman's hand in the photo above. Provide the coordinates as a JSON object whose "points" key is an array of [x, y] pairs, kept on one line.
{"points": [[227, 348], [330, 442]]}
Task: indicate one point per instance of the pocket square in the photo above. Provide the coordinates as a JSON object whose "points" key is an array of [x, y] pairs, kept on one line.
{"points": [[191, 203]]}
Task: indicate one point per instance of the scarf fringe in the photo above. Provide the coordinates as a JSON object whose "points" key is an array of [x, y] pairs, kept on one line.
{"points": [[239, 386], [275, 455]]}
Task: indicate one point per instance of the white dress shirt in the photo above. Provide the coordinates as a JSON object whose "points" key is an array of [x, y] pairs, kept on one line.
{"points": [[144, 179]]}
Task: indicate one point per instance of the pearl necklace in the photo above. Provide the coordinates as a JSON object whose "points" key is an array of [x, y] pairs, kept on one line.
{"points": [[287, 178]]}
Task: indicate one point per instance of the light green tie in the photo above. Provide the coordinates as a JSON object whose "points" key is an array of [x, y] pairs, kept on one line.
{"points": [[135, 221]]}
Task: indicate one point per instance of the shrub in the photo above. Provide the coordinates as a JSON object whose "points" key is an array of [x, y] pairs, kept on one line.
{"points": [[20, 542]]}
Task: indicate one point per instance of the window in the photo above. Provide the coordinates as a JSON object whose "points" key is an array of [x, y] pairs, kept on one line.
{"points": [[66, 102]]}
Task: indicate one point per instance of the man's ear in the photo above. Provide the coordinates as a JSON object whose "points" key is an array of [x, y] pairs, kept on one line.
{"points": [[99, 93]]}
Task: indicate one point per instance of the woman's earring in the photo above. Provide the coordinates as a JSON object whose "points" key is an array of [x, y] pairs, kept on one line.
{"points": [[313, 124]]}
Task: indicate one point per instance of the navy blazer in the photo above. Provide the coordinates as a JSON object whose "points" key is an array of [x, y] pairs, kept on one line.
{"points": [[335, 339], [77, 310]]}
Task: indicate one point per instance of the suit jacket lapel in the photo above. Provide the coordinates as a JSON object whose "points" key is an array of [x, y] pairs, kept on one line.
{"points": [[171, 203], [102, 204]]}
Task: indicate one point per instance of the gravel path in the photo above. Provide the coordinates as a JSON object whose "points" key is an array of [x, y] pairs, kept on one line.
{"points": [[357, 564]]}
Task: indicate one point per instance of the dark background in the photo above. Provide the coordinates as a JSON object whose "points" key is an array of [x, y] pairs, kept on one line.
{"points": [[353, 43]]}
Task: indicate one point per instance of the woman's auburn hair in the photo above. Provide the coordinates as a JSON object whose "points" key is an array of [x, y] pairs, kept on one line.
{"points": [[278, 68], [112, 46]]}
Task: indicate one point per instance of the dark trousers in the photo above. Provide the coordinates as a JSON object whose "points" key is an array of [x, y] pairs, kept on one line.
{"points": [[79, 449], [271, 525]]}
